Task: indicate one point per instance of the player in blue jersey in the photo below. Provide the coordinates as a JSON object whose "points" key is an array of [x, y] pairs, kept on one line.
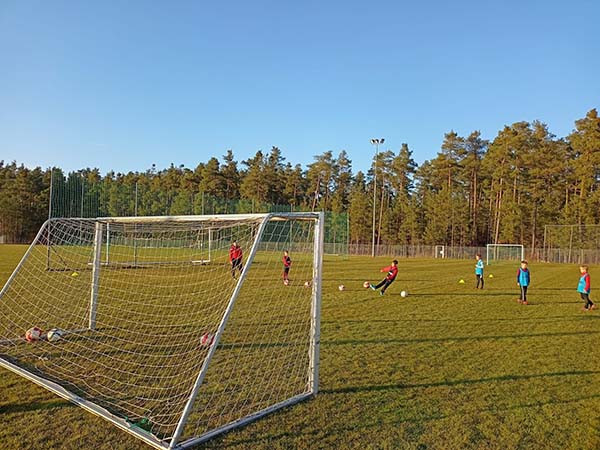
{"points": [[523, 281], [479, 271], [585, 287]]}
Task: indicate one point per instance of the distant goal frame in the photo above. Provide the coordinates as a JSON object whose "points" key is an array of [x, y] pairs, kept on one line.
{"points": [[490, 247]]}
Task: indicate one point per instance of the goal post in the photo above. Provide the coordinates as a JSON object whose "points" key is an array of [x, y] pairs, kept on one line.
{"points": [[440, 251], [509, 252], [171, 352]]}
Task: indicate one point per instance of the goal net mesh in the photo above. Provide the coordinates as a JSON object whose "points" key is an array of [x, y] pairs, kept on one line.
{"points": [[160, 300], [504, 252]]}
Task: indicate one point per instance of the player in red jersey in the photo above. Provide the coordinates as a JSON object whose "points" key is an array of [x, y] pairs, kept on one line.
{"points": [[287, 263], [235, 258], [392, 272]]}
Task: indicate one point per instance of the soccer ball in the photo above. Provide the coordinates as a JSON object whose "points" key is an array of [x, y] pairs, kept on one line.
{"points": [[207, 339], [286, 282], [307, 284], [341, 287], [366, 285], [55, 334], [33, 334], [403, 294]]}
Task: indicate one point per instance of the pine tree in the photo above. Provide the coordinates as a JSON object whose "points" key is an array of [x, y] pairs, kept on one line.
{"points": [[342, 183], [253, 186], [585, 141], [230, 177], [360, 225]]}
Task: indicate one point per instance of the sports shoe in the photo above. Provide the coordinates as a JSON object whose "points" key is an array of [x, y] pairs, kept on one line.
{"points": [[584, 309], [381, 294], [593, 306], [524, 302], [372, 286]]}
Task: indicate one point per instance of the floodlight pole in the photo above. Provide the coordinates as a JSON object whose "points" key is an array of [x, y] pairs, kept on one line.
{"points": [[376, 143]]}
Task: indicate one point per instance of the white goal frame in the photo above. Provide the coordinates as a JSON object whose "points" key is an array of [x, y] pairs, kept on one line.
{"points": [[135, 263], [440, 251], [174, 441], [490, 247]]}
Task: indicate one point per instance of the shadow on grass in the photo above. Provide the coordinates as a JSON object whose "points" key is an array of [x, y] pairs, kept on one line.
{"points": [[471, 292], [459, 338], [367, 423], [35, 406], [550, 302], [382, 276], [555, 289], [509, 377], [544, 319]]}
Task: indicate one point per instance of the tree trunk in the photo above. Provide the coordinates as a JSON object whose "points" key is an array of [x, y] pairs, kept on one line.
{"points": [[498, 208], [533, 229]]}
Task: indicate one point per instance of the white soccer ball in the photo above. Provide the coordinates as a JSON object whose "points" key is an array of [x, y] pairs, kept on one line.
{"points": [[341, 287], [307, 284], [366, 285], [403, 294], [33, 334], [55, 334], [207, 339]]}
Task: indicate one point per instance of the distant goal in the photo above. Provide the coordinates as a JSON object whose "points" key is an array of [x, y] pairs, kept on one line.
{"points": [[169, 349], [504, 252], [440, 251]]}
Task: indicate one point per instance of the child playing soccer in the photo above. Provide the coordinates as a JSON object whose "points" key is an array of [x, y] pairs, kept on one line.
{"points": [[523, 281], [235, 258], [287, 263], [584, 287], [479, 271], [392, 271]]}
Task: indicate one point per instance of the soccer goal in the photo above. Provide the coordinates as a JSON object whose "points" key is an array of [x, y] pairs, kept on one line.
{"points": [[171, 352], [440, 251], [507, 252]]}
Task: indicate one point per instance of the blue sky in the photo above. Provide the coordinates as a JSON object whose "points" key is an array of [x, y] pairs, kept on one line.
{"points": [[125, 84]]}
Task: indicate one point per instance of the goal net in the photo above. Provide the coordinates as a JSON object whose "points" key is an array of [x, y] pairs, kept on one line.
{"points": [[165, 348], [504, 252]]}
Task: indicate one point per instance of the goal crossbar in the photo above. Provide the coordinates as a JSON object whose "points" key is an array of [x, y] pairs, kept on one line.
{"points": [[211, 218]]}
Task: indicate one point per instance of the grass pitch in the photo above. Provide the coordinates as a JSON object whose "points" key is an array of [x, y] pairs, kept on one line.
{"points": [[446, 367]]}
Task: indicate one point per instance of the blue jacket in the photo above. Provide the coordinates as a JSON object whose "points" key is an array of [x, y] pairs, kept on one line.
{"points": [[523, 277], [584, 285], [479, 267]]}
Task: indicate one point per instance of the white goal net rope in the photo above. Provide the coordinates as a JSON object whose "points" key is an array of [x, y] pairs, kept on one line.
{"points": [[161, 296]]}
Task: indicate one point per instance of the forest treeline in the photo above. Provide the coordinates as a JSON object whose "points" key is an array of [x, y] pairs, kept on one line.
{"points": [[473, 192]]}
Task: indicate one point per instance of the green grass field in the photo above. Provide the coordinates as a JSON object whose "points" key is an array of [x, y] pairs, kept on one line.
{"points": [[446, 367]]}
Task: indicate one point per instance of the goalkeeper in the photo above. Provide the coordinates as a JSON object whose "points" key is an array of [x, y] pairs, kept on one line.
{"points": [[235, 258], [392, 272], [287, 263]]}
